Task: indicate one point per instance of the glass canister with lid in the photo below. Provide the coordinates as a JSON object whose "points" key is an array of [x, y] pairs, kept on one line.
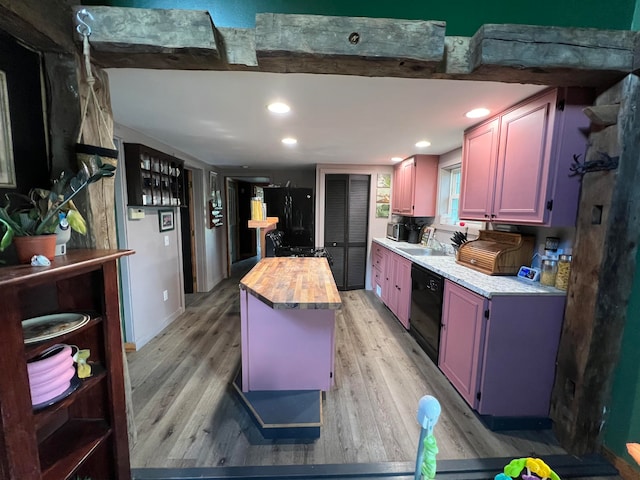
{"points": [[548, 271], [564, 269]]}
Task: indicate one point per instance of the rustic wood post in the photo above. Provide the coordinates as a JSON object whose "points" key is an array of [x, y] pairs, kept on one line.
{"points": [[604, 263]]}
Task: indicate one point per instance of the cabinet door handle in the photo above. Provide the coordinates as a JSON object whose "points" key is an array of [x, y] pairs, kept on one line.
{"points": [[334, 244], [486, 215], [493, 215]]}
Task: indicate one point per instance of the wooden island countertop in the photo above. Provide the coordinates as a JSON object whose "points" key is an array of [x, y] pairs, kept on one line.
{"points": [[293, 283]]}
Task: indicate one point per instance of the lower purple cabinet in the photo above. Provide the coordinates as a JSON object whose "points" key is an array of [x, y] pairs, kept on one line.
{"points": [[500, 353]]}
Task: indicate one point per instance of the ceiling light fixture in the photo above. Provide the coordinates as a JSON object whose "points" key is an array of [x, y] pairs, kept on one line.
{"points": [[477, 113], [396, 159], [278, 107], [423, 144], [289, 141]]}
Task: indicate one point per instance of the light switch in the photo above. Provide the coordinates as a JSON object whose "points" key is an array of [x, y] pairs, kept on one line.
{"points": [[165, 295], [166, 240]]}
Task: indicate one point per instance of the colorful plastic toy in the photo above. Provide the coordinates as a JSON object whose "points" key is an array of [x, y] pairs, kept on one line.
{"points": [[527, 469]]}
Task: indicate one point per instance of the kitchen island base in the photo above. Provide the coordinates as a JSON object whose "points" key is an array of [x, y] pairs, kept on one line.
{"points": [[498, 424], [283, 414]]}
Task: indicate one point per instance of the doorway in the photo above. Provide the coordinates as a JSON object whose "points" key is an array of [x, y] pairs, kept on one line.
{"points": [[188, 235]]}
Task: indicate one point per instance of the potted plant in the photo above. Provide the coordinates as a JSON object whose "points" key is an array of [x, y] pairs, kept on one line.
{"points": [[37, 215]]}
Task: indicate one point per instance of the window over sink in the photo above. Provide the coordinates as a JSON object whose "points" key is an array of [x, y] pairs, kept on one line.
{"points": [[449, 176]]}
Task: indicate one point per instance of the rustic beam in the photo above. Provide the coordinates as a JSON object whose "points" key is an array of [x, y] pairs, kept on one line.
{"points": [[152, 38], [239, 47], [43, 29], [348, 45], [604, 115], [549, 55], [607, 232]]}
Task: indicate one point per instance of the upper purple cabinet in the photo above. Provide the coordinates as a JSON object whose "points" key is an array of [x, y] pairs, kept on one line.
{"points": [[415, 184], [516, 166]]}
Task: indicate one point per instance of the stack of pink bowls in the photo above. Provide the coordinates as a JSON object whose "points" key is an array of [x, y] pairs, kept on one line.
{"points": [[50, 374]]}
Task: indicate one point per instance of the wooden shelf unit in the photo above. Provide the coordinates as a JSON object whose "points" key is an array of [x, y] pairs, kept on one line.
{"points": [[154, 178], [84, 434]]}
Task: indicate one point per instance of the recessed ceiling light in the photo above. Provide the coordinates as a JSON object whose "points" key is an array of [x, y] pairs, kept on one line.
{"points": [[396, 159], [289, 141], [477, 113], [278, 107], [423, 144], [245, 166]]}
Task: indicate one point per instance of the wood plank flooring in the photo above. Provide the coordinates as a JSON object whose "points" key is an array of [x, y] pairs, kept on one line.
{"points": [[187, 414]]}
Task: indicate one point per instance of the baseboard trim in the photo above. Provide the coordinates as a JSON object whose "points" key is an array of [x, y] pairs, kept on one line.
{"points": [[130, 347], [627, 472], [566, 466]]}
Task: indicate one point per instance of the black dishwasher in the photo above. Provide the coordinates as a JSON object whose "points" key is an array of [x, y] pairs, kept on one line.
{"points": [[426, 309]]}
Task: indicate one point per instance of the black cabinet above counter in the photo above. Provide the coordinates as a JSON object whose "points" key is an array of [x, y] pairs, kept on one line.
{"points": [[154, 178]]}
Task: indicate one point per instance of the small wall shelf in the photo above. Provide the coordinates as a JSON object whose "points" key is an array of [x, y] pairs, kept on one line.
{"points": [[154, 178]]}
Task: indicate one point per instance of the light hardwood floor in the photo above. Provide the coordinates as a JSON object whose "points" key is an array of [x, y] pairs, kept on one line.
{"points": [[187, 414]]}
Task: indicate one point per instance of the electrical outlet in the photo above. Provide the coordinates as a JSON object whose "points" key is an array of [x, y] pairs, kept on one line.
{"points": [[165, 295], [166, 240]]}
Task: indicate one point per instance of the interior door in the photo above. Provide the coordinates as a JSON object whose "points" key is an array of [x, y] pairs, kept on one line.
{"points": [[232, 220], [346, 228]]}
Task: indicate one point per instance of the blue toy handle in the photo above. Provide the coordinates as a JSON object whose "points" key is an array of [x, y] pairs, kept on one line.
{"points": [[428, 413]]}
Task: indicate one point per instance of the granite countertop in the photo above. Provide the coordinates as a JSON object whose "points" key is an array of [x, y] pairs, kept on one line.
{"points": [[481, 283], [293, 283]]}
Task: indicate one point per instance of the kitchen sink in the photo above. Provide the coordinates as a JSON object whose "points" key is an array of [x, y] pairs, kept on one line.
{"points": [[418, 251]]}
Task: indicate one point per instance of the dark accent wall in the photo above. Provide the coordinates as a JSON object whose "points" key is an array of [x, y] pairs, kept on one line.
{"points": [[463, 17], [22, 69]]}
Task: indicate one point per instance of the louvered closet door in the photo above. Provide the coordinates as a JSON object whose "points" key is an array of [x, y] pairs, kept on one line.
{"points": [[357, 227], [345, 228]]}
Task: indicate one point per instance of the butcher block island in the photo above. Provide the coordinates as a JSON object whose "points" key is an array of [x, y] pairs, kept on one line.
{"points": [[287, 313]]}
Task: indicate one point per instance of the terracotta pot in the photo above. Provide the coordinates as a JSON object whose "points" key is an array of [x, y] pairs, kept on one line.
{"points": [[27, 247]]}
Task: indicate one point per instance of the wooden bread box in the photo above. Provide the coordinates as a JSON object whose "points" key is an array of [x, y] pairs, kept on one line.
{"points": [[497, 253]]}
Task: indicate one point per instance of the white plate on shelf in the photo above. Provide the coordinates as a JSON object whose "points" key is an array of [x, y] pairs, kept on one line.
{"points": [[46, 327]]}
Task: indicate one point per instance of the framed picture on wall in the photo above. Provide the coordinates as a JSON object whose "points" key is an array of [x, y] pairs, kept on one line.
{"points": [[213, 184], [7, 171], [166, 220]]}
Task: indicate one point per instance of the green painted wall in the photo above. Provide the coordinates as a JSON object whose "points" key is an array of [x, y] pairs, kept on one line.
{"points": [[635, 24], [623, 424], [463, 17]]}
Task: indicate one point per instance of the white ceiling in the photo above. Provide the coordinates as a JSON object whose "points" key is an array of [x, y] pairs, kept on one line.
{"points": [[221, 117]]}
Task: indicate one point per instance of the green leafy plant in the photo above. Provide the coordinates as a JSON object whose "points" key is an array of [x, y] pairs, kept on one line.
{"points": [[39, 212]]}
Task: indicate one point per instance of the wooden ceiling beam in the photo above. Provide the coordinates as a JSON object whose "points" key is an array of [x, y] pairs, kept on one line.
{"points": [[552, 55], [153, 38], [378, 47], [43, 29], [373, 47]]}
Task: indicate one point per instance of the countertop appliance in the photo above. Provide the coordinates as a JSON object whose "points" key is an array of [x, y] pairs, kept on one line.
{"points": [[294, 209], [396, 231], [497, 253], [425, 318]]}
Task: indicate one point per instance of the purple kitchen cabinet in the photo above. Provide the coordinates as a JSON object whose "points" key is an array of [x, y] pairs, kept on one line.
{"points": [[286, 349], [462, 339], [415, 183], [530, 168], [501, 362], [480, 153], [397, 286]]}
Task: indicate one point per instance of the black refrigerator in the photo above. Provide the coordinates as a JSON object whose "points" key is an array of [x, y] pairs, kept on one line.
{"points": [[294, 209]]}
